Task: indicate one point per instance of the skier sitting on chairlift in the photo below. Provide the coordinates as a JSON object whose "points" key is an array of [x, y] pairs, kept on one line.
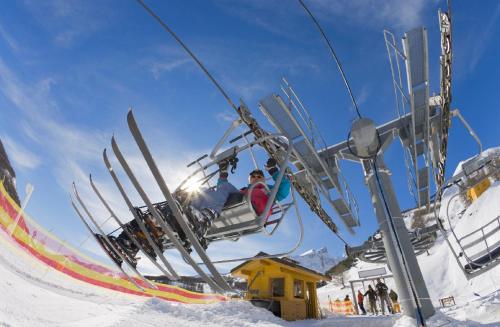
{"points": [[203, 207]]}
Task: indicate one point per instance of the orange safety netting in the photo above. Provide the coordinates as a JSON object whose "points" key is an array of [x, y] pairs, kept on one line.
{"points": [[342, 307]]}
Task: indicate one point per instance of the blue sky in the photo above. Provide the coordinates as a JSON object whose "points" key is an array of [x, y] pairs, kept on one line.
{"points": [[69, 70]]}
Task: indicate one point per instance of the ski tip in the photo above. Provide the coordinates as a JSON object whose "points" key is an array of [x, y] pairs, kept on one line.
{"points": [[130, 118], [116, 149], [75, 191]]}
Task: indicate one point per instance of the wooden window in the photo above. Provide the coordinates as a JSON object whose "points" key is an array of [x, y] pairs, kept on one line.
{"points": [[277, 287], [298, 289]]}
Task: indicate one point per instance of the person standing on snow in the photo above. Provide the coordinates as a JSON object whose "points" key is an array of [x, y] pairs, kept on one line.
{"points": [[393, 296], [382, 294], [372, 299], [360, 302]]}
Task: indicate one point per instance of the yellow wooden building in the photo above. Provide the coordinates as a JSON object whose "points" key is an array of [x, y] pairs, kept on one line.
{"points": [[282, 286]]}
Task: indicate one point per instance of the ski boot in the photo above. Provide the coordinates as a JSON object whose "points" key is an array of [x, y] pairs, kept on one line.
{"points": [[141, 238], [153, 227], [130, 257], [182, 197], [201, 221], [172, 222], [111, 253]]}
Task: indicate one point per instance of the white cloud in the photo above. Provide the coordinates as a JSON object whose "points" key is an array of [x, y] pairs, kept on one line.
{"points": [[275, 18], [397, 13], [362, 95], [160, 67], [225, 117], [75, 151], [480, 40], [20, 155], [69, 21], [164, 59], [11, 42]]}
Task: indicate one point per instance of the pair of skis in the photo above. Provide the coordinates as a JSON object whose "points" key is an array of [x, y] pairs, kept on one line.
{"points": [[216, 281], [106, 242]]}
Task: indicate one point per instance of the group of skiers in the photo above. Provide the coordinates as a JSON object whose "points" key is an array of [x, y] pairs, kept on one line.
{"points": [[381, 291], [204, 207]]}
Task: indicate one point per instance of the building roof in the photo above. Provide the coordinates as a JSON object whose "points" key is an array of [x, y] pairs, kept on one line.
{"points": [[284, 261]]}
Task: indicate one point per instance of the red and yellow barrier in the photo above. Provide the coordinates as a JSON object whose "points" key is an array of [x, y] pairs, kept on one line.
{"points": [[342, 307], [51, 251]]}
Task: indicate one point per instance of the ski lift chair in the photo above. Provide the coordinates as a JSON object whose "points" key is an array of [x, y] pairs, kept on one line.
{"points": [[479, 250], [239, 218]]}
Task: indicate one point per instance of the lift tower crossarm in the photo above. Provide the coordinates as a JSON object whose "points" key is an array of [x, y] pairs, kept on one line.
{"points": [[276, 152], [398, 126]]}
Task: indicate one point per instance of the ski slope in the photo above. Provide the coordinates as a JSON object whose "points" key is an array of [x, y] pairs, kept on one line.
{"points": [[35, 294]]}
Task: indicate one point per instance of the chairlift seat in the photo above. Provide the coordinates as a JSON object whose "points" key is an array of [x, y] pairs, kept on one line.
{"points": [[237, 216], [483, 258]]}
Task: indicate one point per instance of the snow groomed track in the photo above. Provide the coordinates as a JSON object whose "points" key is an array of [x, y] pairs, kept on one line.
{"points": [[54, 253]]}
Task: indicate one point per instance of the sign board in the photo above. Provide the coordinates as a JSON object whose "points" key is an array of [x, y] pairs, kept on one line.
{"points": [[372, 272], [447, 301]]}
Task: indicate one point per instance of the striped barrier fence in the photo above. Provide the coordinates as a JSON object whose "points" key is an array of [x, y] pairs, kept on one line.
{"points": [[341, 307], [51, 251]]}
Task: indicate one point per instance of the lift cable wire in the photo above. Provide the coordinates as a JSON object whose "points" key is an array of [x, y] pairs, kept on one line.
{"points": [[334, 55], [205, 70], [373, 160]]}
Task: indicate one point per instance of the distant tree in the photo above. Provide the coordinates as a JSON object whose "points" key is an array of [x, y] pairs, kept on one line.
{"points": [[339, 279], [342, 266], [7, 175], [337, 271]]}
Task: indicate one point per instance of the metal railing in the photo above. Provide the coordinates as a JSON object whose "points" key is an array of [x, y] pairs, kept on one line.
{"points": [[484, 236]]}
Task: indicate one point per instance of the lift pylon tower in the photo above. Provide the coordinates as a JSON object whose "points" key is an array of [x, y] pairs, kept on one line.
{"points": [[366, 147]]}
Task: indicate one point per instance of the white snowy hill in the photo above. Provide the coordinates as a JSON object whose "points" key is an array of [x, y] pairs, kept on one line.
{"points": [[318, 260]]}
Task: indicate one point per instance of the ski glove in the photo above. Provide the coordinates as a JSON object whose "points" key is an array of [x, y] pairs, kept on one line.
{"points": [[271, 166], [223, 166]]}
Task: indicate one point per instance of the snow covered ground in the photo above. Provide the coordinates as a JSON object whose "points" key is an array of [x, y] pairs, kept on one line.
{"points": [[36, 295], [33, 294]]}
